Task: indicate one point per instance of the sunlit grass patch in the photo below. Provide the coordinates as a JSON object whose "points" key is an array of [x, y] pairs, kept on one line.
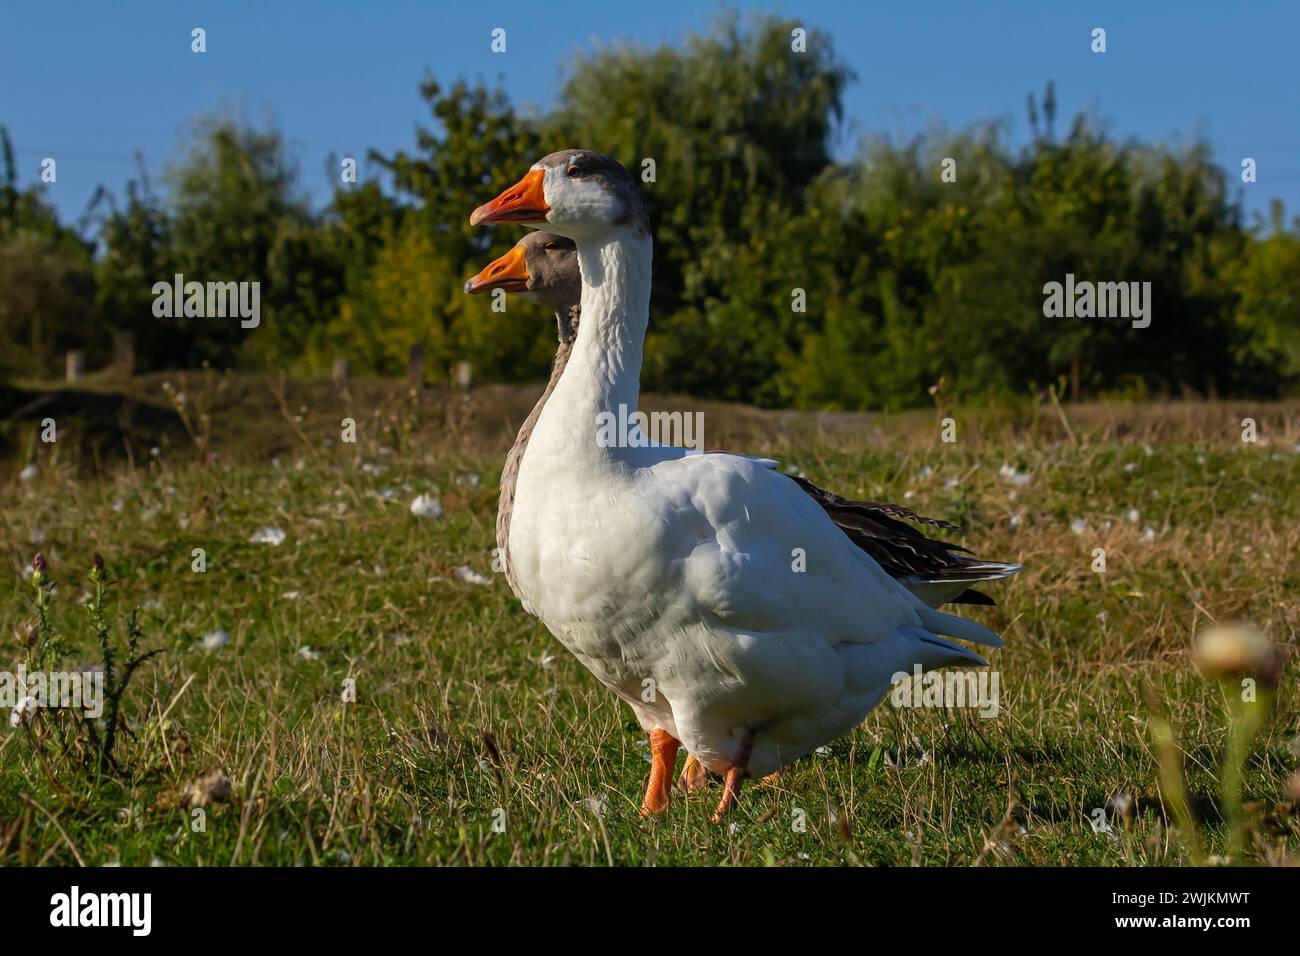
{"points": [[473, 738]]}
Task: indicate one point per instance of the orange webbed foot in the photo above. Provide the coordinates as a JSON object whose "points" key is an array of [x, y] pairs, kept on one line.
{"points": [[663, 760]]}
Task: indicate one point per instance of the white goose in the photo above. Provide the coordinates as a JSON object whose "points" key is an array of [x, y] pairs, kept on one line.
{"points": [[543, 268], [671, 576]]}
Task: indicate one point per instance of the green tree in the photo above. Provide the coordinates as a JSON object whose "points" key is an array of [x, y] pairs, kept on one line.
{"points": [[234, 208], [738, 125], [47, 288], [1266, 278], [136, 243], [413, 295]]}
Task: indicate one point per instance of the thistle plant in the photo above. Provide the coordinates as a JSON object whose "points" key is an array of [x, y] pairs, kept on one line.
{"points": [[115, 681], [44, 646], [48, 646]]}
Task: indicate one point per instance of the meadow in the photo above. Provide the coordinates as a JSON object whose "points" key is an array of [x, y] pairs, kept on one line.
{"points": [[367, 691]]}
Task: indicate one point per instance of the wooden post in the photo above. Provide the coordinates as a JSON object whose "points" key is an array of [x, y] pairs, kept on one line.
{"points": [[339, 373], [464, 374], [124, 353], [415, 366], [76, 364]]}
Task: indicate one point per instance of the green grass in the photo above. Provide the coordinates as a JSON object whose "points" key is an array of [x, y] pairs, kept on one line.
{"points": [[466, 707]]}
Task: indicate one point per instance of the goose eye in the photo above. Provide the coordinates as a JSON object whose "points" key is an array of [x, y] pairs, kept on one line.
{"points": [[574, 171], [549, 247]]}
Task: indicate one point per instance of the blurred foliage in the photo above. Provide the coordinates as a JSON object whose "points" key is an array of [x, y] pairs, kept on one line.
{"points": [[908, 279], [47, 288]]}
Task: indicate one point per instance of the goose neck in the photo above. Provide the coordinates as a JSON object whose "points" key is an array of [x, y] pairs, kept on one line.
{"points": [[604, 370]]}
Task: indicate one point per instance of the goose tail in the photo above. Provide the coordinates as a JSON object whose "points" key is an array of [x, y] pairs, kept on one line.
{"points": [[958, 627], [936, 651]]}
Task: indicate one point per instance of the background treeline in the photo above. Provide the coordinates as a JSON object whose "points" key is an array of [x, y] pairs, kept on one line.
{"points": [[909, 280]]}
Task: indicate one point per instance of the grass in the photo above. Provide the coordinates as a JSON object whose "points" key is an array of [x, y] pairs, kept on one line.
{"points": [[474, 738]]}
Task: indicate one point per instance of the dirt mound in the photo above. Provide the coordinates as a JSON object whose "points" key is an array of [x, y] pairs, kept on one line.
{"points": [[90, 426]]}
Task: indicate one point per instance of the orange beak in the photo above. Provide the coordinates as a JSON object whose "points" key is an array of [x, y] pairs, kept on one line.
{"points": [[522, 202], [510, 272]]}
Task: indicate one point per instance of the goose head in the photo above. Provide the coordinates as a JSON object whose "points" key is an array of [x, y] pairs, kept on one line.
{"points": [[575, 192], [542, 267]]}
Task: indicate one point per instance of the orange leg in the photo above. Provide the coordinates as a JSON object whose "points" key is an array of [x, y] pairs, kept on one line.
{"points": [[663, 760], [694, 776], [731, 789]]}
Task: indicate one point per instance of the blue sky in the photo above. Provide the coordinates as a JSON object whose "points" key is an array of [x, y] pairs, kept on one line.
{"points": [[90, 83]]}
